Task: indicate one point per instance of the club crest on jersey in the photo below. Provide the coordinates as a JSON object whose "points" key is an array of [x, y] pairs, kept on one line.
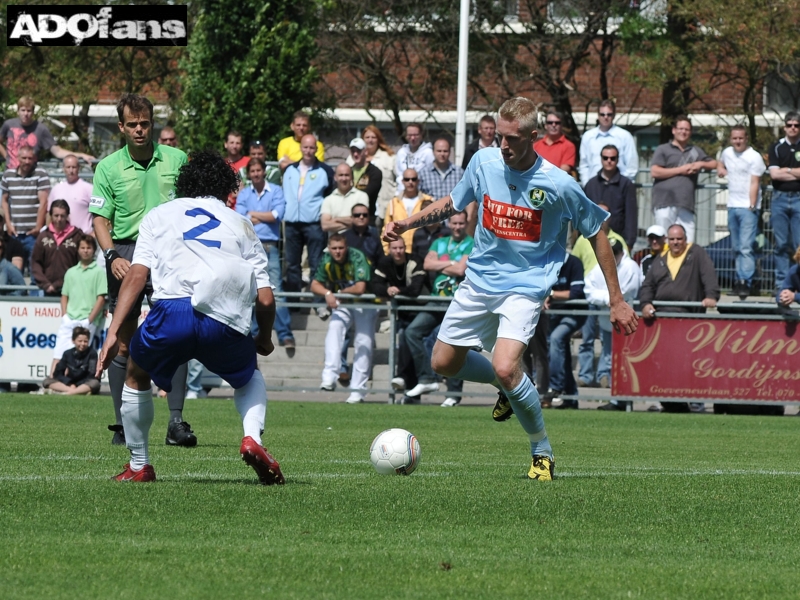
{"points": [[537, 197]]}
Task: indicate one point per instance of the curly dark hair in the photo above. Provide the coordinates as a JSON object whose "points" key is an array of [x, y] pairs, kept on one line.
{"points": [[206, 174]]}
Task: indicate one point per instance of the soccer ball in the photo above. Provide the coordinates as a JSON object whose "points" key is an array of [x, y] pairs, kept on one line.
{"points": [[395, 452]]}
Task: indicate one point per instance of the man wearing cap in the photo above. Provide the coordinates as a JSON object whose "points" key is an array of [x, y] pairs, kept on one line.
{"points": [[657, 242], [366, 176]]}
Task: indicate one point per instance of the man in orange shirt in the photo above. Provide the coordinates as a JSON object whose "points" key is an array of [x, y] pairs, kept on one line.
{"points": [[554, 146]]}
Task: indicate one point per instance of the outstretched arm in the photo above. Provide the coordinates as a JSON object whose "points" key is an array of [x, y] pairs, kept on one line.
{"points": [[436, 212], [622, 316]]}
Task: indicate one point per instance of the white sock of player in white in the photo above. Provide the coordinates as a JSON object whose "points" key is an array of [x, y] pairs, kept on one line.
{"points": [[251, 402], [137, 417]]}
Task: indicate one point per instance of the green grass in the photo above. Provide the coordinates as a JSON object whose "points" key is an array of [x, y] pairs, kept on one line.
{"points": [[645, 506]]}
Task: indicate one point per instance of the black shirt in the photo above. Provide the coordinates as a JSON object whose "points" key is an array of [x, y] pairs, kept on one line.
{"points": [[369, 242], [782, 154]]}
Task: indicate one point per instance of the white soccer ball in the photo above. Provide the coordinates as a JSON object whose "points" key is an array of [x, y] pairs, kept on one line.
{"points": [[395, 452]]}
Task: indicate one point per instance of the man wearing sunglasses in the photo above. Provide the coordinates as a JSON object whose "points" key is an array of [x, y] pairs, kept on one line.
{"points": [[617, 192], [607, 133], [554, 146], [784, 169]]}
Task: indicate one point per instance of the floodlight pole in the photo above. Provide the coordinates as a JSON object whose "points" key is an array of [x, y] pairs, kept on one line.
{"points": [[461, 102]]}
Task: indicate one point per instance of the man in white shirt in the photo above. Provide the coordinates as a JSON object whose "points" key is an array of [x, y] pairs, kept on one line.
{"points": [[630, 280], [416, 154], [337, 206], [743, 167], [207, 267], [604, 134], [77, 193]]}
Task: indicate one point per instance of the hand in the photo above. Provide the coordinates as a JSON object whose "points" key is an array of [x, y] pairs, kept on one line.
{"points": [[331, 301], [709, 302], [690, 169], [11, 229], [786, 297], [623, 319], [393, 291], [721, 170], [648, 311], [50, 289], [264, 345], [120, 267], [254, 220], [34, 232], [394, 229], [107, 353], [547, 302]]}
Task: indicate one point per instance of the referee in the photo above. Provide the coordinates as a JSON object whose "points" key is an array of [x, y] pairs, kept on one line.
{"points": [[127, 185]]}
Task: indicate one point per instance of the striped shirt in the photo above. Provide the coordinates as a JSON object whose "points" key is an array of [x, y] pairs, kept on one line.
{"points": [[23, 196]]}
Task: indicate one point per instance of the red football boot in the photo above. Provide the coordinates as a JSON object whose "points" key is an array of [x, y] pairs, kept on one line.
{"points": [[146, 473], [266, 467]]}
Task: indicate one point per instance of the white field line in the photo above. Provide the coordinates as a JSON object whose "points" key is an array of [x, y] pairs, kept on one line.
{"points": [[645, 472]]}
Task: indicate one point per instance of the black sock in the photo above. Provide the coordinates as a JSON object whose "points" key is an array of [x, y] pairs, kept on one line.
{"points": [[176, 397], [116, 380]]}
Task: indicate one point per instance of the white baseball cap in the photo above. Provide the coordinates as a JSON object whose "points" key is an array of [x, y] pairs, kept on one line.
{"points": [[357, 143], [657, 230]]}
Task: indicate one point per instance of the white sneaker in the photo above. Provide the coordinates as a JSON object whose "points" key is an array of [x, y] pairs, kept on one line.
{"points": [[398, 384], [355, 398], [450, 402], [190, 395], [422, 388], [323, 312], [327, 387]]}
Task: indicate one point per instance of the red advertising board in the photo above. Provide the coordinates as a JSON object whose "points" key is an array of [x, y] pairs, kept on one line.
{"points": [[714, 360]]}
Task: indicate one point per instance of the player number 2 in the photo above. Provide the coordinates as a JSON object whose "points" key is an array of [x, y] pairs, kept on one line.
{"points": [[195, 232]]}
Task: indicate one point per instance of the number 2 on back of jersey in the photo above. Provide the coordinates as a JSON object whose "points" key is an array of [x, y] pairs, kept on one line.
{"points": [[195, 232]]}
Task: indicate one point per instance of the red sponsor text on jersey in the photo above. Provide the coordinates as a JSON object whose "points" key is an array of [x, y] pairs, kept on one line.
{"points": [[511, 222]]}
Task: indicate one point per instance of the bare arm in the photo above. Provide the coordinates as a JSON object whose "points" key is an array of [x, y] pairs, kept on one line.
{"points": [[64, 301], [41, 214], [7, 214], [262, 216], [755, 183], [97, 308], [334, 224], [659, 172], [783, 174], [61, 153], [132, 286], [102, 229], [358, 288], [436, 212], [622, 316], [265, 317]]}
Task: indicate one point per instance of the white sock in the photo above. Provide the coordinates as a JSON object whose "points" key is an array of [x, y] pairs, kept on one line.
{"points": [[137, 417], [251, 402]]}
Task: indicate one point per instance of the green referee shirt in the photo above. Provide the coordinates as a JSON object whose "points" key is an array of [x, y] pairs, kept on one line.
{"points": [[82, 287], [124, 191]]}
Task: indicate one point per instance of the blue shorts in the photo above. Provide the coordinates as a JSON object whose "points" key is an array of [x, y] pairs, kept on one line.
{"points": [[174, 332]]}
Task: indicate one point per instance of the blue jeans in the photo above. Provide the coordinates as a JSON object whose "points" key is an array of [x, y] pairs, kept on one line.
{"points": [[785, 221], [586, 349], [604, 364], [194, 377], [561, 329], [743, 224], [283, 320], [298, 235], [416, 332]]}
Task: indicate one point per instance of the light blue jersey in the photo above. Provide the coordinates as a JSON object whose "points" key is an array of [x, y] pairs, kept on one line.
{"points": [[521, 237]]}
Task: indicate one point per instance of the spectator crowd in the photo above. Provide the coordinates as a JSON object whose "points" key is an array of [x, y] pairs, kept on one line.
{"points": [[320, 225]]}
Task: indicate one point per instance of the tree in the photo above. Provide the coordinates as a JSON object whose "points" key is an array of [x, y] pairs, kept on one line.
{"points": [[248, 68], [688, 49]]}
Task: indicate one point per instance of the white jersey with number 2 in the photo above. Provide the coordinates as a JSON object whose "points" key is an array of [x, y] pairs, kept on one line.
{"points": [[199, 248]]}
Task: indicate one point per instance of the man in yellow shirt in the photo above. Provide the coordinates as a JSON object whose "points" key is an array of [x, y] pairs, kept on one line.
{"points": [[289, 147]]}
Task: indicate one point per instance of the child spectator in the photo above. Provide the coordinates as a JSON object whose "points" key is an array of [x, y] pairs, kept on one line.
{"points": [[82, 297], [74, 374]]}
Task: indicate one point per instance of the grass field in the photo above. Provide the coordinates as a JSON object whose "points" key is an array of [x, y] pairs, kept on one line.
{"points": [[645, 506]]}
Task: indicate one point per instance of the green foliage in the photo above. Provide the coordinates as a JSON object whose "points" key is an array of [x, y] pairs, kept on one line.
{"points": [[248, 68], [644, 506]]}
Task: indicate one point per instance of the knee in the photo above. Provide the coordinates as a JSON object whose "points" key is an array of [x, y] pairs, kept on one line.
{"points": [[507, 373], [443, 364]]}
